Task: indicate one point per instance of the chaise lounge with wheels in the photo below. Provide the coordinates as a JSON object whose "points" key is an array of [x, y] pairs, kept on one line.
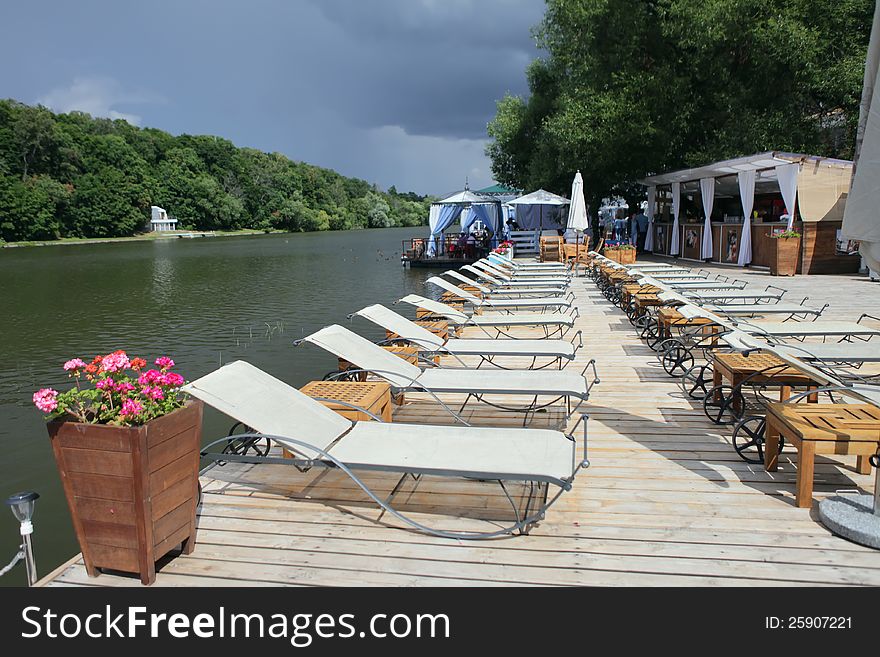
{"points": [[553, 324], [556, 304], [282, 416], [369, 358], [500, 292], [559, 352]]}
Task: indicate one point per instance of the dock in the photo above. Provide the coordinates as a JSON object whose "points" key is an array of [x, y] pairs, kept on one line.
{"points": [[665, 502]]}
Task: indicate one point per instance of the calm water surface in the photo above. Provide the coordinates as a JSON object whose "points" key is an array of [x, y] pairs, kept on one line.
{"points": [[202, 301]]}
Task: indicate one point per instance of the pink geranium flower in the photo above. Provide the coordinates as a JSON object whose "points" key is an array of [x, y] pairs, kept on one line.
{"points": [[73, 364], [115, 362], [124, 387], [105, 384], [46, 399], [131, 408], [172, 379], [153, 392], [164, 362], [149, 377]]}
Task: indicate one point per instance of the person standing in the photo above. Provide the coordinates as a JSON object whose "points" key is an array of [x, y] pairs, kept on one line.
{"points": [[640, 230]]}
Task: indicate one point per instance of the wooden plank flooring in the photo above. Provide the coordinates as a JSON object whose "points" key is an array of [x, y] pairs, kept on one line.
{"points": [[666, 500]]}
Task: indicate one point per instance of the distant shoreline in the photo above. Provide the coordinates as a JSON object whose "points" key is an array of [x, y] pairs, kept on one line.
{"points": [[145, 237]]}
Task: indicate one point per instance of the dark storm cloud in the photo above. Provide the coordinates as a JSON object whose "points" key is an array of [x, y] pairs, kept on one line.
{"points": [[392, 91]]}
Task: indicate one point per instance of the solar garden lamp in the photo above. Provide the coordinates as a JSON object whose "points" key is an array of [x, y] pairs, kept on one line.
{"points": [[22, 505]]}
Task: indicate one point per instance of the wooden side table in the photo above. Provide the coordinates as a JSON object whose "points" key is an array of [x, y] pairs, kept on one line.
{"points": [[738, 367], [821, 429], [375, 396], [439, 327]]}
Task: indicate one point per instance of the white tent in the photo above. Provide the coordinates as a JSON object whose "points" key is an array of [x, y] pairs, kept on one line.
{"points": [[541, 207]]}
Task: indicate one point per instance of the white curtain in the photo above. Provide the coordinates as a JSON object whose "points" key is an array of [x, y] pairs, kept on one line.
{"points": [[433, 220], [649, 238], [747, 198], [707, 191], [787, 175], [676, 206]]}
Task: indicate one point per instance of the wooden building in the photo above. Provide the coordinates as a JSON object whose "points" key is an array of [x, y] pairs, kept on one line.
{"points": [[817, 187]]}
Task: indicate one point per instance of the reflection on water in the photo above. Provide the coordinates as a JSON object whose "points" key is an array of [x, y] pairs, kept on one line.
{"points": [[203, 301]]}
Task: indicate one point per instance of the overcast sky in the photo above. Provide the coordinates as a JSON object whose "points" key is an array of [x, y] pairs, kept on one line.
{"points": [[397, 92]]}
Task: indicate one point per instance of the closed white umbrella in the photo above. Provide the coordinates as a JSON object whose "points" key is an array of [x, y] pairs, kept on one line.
{"points": [[577, 211]]}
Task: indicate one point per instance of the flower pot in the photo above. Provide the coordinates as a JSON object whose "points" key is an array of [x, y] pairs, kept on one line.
{"points": [[132, 491], [623, 256], [786, 253]]}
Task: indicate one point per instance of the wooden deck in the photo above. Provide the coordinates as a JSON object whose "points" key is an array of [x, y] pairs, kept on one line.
{"points": [[666, 501]]}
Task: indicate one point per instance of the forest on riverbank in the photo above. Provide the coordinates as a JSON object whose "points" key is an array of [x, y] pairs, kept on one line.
{"points": [[74, 175]]}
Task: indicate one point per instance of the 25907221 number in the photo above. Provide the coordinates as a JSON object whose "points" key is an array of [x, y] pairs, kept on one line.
{"points": [[808, 623]]}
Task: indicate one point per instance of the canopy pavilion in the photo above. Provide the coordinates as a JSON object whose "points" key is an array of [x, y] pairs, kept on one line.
{"points": [[473, 212], [706, 212]]}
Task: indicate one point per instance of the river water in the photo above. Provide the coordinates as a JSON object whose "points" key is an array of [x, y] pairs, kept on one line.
{"points": [[204, 302]]}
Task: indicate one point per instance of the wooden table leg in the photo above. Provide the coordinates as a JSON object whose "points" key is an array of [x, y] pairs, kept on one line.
{"points": [[863, 465], [771, 446], [717, 380], [806, 462]]}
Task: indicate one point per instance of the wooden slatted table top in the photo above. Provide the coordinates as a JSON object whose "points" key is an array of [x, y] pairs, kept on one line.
{"points": [[636, 288], [756, 362], [364, 394], [649, 299], [830, 422], [673, 316]]}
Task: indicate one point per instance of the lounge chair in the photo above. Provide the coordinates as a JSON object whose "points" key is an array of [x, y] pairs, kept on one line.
{"points": [[704, 285], [535, 278], [732, 310], [752, 309], [555, 324], [518, 265], [503, 281], [546, 303], [767, 295], [319, 437], [403, 376], [496, 292], [487, 350]]}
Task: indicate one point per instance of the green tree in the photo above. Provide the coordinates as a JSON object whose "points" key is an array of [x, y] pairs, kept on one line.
{"points": [[634, 87]]}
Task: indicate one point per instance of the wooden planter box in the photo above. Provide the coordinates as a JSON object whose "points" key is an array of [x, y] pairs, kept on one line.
{"points": [[786, 253], [132, 491], [623, 256]]}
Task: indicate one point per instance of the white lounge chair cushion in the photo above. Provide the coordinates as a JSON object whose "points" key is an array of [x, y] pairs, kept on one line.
{"points": [[549, 348], [409, 330], [488, 319], [465, 451], [764, 309], [268, 405], [527, 382], [817, 328], [343, 343], [437, 307], [851, 352], [522, 319]]}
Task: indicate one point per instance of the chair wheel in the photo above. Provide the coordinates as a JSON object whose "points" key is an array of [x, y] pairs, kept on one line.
{"points": [[694, 381], [721, 402], [677, 360], [749, 438]]}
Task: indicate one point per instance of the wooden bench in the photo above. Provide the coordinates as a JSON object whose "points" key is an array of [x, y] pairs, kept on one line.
{"points": [[812, 429]]}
